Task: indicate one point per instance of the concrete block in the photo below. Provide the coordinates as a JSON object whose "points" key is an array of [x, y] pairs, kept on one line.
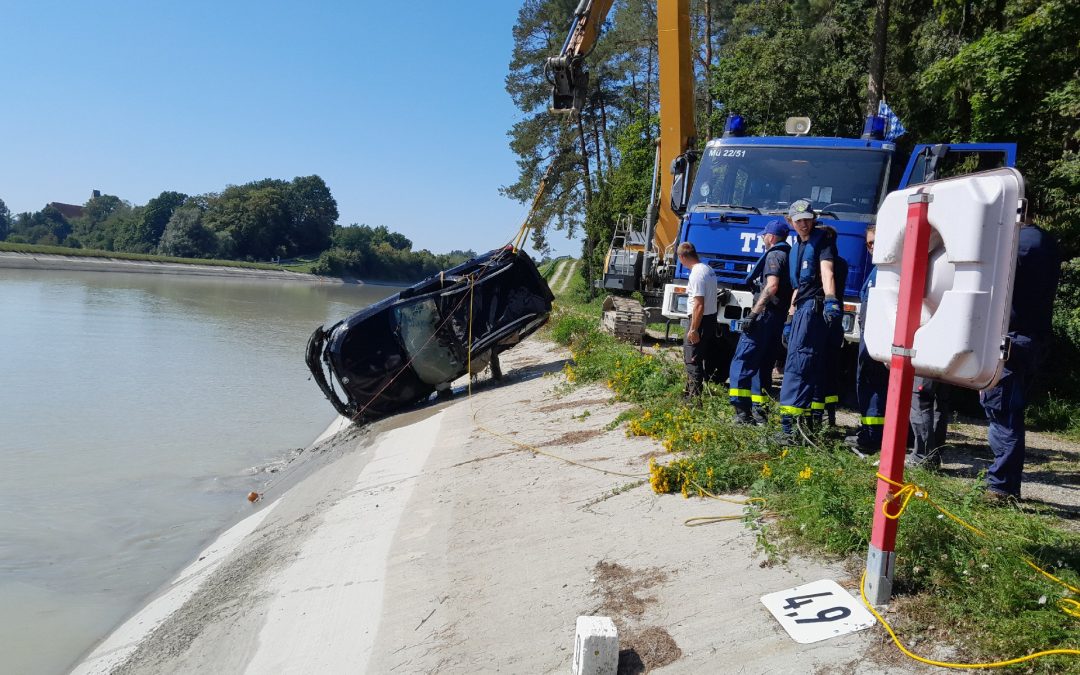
{"points": [[596, 646]]}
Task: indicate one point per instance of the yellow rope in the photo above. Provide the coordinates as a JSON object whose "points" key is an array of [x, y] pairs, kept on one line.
{"points": [[947, 664], [519, 444], [533, 448], [519, 239], [909, 490], [708, 520], [468, 357], [903, 495]]}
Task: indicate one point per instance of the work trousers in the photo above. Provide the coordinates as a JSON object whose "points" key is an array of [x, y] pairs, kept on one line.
{"points": [[827, 393], [804, 364], [929, 419], [871, 387], [701, 358], [750, 376], [1004, 405]]}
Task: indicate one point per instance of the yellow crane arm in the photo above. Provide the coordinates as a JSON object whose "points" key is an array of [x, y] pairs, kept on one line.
{"points": [[570, 86], [569, 80], [677, 127]]}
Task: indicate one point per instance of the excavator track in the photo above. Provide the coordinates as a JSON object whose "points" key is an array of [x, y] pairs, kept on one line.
{"points": [[624, 318]]}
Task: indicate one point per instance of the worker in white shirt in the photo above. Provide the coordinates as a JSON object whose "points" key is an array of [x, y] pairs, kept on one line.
{"points": [[699, 347]]}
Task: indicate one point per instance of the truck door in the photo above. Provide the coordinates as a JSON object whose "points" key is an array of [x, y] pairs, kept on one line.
{"points": [[944, 160]]}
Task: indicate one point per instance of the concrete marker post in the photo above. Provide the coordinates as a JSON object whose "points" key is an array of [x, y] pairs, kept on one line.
{"points": [[596, 646], [882, 554]]}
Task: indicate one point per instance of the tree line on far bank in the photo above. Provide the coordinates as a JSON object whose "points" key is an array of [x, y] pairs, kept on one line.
{"points": [[263, 220]]}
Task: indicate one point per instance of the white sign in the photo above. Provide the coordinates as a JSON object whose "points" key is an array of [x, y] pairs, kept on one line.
{"points": [[817, 611]]}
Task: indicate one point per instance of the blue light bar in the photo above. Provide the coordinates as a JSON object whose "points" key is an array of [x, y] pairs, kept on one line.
{"points": [[874, 129], [735, 126]]}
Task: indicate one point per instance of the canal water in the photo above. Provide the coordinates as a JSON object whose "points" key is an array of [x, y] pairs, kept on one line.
{"points": [[136, 413]]}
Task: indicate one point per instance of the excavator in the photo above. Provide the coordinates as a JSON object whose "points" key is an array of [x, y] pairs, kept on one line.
{"points": [[720, 199], [640, 258]]}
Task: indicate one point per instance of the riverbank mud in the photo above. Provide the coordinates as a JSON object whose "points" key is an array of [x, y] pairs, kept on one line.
{"points": [[40, 261]]}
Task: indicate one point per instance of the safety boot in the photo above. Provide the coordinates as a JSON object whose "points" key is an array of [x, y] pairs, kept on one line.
{"points": [[759, 415], [744, 418]]}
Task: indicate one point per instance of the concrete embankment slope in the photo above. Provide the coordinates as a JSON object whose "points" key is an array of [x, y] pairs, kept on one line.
{"points": [[39, 261], [426, 544]]}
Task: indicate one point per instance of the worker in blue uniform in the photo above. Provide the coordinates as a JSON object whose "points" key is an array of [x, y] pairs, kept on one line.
{"points": [[813, 307], [930, 410], [827, 394], [750, 377], [872, 377], [1037, 269]]}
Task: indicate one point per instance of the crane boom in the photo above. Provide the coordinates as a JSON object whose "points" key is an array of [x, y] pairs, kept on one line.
{"points": [[570, 83], [569, 80], [677, 130]]}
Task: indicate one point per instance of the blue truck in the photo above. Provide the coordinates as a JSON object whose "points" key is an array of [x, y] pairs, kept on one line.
{"points": [[743, 182]]}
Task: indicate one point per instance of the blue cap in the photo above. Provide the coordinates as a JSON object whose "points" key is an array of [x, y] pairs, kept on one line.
{"points": [[777, 227]]}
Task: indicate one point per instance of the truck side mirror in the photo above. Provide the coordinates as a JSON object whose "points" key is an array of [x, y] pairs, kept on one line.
{"points": [[681, 168]]}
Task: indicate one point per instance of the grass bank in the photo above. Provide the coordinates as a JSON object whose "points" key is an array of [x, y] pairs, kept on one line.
{"points": [[118, 255], [974, 594]]}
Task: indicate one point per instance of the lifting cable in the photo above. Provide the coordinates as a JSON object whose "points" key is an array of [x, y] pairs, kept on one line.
{"points": [[519, 444]]}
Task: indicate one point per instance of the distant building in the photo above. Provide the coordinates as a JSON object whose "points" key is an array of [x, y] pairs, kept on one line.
{"points": [[70, 211]]}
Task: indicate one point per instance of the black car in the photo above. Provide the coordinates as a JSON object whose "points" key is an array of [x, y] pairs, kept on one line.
{"points": [[398, 351]]}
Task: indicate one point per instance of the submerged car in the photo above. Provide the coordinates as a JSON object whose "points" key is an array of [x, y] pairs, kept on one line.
{"points": [[396, 352]]}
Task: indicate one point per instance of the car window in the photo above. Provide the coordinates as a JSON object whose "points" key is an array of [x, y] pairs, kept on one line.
{"points": [[432, 359]]}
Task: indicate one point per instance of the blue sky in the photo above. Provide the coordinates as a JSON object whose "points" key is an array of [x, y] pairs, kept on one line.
{"points": [[399, 106]]}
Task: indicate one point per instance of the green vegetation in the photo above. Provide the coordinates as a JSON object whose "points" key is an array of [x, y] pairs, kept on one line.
{"points": [[955, 71], [953, 587], [122, 255], [266, 220], [378, 253], [547, 269]]}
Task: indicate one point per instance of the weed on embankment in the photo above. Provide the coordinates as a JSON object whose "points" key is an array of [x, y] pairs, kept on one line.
{"points": [[122, 255], [972, 596]]}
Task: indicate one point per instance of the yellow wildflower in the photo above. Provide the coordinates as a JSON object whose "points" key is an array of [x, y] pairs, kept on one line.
{"points": [[783, 453], [766, 471], [806, 473]]}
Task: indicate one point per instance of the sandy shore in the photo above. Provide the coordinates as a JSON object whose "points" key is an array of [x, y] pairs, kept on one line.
{"points": [[38, 261], [426, 544]]}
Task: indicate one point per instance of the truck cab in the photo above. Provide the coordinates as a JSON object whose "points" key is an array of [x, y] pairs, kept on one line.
{"points": [[744, 182]]}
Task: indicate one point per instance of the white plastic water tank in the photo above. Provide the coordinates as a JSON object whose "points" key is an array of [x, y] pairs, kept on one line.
{"points": [[975, 221]]}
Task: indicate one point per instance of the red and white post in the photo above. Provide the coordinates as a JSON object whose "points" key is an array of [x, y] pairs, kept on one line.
{"points": [[882, 554]]}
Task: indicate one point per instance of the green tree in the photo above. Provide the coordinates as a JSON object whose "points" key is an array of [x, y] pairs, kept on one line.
{"points": [[146, 235], [47, 226], [185, 235], [785, 59], [314, 213], [5, 220], [101, 222], [254, 217]]}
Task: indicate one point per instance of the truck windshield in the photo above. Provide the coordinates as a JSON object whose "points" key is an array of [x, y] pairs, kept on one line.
{"points": [[845, 182]]}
